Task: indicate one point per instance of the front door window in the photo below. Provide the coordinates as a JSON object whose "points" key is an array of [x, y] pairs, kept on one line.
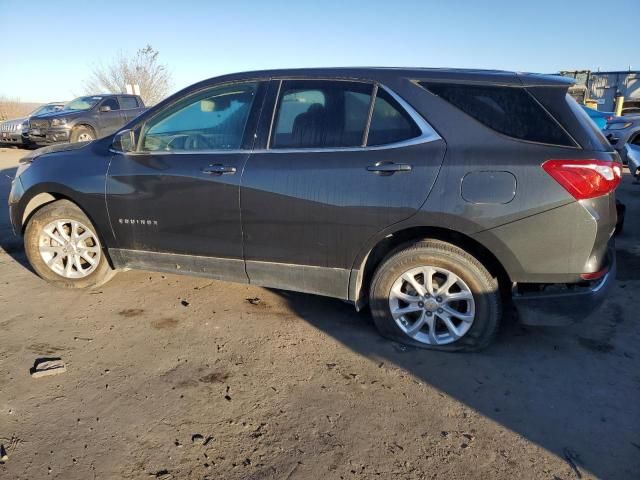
{"points": [[211, 120]]}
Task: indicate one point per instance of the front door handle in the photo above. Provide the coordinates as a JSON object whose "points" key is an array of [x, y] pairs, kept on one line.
{"points": [[389, 168], [218, 169]]}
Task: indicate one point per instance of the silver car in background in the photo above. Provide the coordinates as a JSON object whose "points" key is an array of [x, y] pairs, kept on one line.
{"points": [[15, 131], [11, 131], [621, 131], [632, 153]]}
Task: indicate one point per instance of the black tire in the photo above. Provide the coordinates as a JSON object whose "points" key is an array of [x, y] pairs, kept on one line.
{"points": [[63, 209], [82, 130], [435, 253]]}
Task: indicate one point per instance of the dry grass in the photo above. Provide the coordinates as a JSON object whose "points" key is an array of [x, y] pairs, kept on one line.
{"points": [[14, 108]]}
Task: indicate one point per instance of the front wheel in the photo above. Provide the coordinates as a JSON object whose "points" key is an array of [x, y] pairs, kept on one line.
{"points": [[82, 134], [435, 295], [63, 247]]}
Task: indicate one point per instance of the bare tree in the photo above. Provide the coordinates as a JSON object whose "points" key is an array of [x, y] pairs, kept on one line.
{"points": [[143, 69]]}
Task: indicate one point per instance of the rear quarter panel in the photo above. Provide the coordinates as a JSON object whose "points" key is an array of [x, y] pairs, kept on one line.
{"points": [[532, 245]]}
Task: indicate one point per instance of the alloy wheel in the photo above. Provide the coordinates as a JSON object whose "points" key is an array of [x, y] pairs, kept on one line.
{"points": [[85, 137], [69, 248], [432, 305]]}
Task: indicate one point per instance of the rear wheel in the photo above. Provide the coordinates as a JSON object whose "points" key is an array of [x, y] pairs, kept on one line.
{"points": [[82, 134], [435, 295], [64, 248]]}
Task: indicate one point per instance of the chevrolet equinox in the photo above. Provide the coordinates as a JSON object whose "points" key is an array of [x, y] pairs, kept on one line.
{"points": [[437, 197]]}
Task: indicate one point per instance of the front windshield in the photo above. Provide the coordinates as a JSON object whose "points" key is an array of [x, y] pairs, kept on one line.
{"points": [[45, 109], [82, 103]]}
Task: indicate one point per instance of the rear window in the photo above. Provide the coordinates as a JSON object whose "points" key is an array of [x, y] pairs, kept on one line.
{"points": [[572, 116], [511, 111], [128, 103]]}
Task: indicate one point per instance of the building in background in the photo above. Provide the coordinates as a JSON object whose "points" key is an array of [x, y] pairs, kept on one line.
{"points": [[602, 88]]}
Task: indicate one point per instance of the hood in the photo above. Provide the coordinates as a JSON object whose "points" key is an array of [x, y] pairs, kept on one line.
{"points": [[61, 147], [625, 119], [12, 121], [61, 113]]}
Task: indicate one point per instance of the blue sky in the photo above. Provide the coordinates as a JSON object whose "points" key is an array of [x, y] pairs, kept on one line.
{"points": [[55, 44]]}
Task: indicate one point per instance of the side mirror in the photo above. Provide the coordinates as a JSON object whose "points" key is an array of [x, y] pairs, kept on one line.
{"points": [[105, 108], [124, 141]]}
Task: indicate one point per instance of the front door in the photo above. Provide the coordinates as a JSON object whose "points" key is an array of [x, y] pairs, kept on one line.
{"points": [[344, 160], [177, 198]]}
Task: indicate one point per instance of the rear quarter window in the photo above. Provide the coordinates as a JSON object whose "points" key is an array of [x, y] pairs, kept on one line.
{"points": [[511, 111], [389, 122]]}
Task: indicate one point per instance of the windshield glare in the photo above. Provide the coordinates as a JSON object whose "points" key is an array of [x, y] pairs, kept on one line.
{"points": [[82, 103], [45, 109]]}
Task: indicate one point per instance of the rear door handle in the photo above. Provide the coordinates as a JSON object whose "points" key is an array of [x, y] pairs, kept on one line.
{"points": [[389, 168], [218, 169]]}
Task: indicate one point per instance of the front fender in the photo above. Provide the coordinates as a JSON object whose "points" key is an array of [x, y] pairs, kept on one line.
{"points": [[78, 175]]}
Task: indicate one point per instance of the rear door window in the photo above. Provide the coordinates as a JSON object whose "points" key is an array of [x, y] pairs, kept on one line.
{"points": [[511, 111], [321, 114]]}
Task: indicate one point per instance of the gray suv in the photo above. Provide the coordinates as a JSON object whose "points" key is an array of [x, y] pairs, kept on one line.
{"points": [[16, 131], [438, 197], [84, 119]]}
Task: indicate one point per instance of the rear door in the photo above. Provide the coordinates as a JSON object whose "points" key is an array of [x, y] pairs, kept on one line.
{"points": [[342, 160], [129, 107]]}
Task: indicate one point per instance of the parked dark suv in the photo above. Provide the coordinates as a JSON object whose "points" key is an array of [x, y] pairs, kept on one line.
{"points": [[436, 196], [85, 119]]}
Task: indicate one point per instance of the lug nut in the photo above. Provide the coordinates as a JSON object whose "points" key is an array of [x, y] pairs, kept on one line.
{"points": [[429, 313], [439, 299]]}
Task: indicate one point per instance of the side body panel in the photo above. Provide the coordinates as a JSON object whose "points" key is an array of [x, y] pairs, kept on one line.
{"points": [[318, 208]]}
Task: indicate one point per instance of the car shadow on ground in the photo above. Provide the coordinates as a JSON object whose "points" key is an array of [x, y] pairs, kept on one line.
{"points": [[9, 243], [535, 382]]}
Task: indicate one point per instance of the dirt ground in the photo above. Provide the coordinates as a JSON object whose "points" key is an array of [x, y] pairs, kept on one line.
{"points": [[177, 377]]}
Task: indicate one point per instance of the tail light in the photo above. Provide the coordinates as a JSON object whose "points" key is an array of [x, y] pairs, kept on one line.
{"points": [[585, 178], [595, 275]]}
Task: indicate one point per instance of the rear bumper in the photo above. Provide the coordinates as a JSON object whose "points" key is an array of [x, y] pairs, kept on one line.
{"points": [[568, 306]]}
